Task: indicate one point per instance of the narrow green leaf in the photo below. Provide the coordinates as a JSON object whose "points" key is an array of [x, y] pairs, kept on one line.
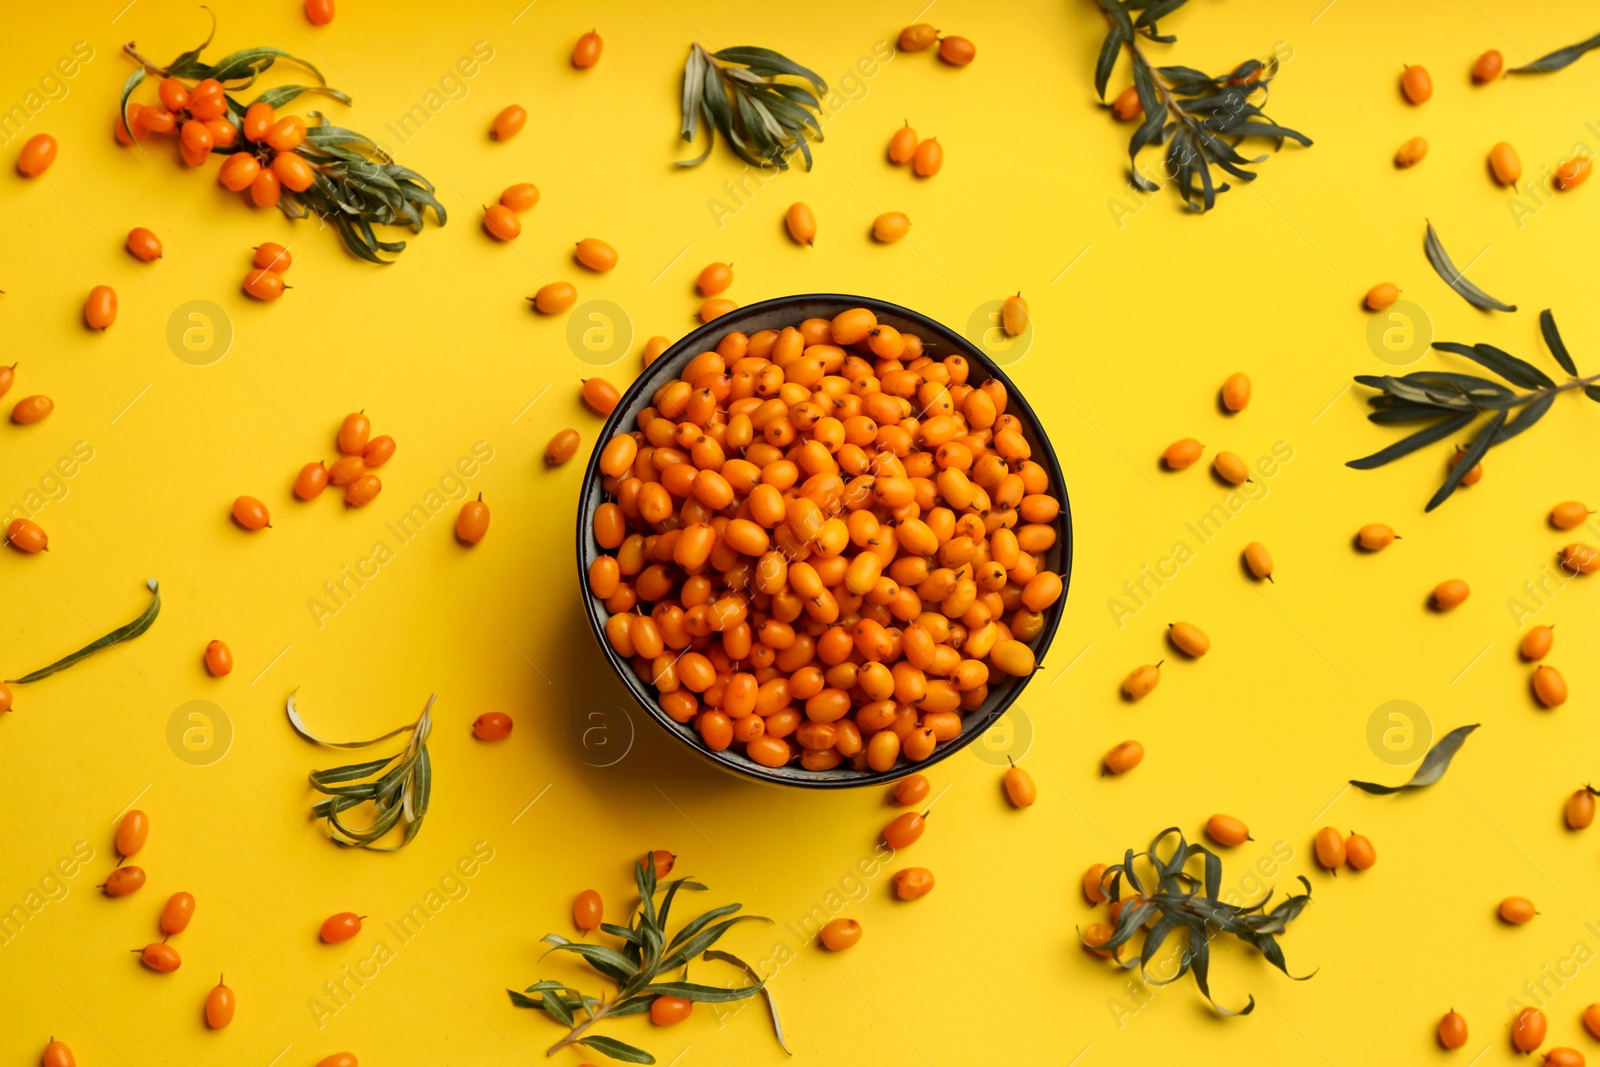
{"points": [[761, 983], [1433, 765], [122, 633], [1440, 259], [1553, 341], [610, 1046], [1561, 57]]}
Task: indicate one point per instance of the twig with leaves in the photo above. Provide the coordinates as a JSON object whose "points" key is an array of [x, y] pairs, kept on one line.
{"points": [[1180, 900], [400, 793], [737, 91], [1189, 111], [1451, 402], [639, 967]]}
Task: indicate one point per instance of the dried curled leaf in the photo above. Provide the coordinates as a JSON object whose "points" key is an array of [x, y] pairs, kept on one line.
{"points": [[1433, 765], [400, 794], [737, 93], [115, 637], [1561, 57], [1181, 901], [766, 991], [1455, 279]]}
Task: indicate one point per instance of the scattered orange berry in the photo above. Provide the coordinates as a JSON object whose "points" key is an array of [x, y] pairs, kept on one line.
{"points": [[143, 244], [37, 155], [841, 934], [586, 53], [250, 513], [340, 927], [1416, 85], [219, 659]]}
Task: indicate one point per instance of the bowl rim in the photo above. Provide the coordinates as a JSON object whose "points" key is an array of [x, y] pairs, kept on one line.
{"points": [[974, 724]]}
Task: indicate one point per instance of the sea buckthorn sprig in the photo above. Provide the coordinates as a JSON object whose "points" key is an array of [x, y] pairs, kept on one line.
{"points": [[641, 969], [736, 92], [823, 545], [336, 174], [1200, 118], [1180, 899], [1451, 402], [400, 793]]}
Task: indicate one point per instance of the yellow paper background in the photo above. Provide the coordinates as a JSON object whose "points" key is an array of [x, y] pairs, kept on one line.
{"points": [[1131, 343]]}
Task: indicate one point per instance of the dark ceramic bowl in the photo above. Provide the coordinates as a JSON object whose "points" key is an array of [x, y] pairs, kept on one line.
{"points": [[776, 314]]}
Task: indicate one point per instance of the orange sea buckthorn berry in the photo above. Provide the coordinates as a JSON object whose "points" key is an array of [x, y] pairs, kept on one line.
{"points": [[100, 309], [1528, 1029], [220, 1005], [1096, 934], [586, 53], [1329, 846], [1452, 1030], [5, 698], [1505, 164], [1416, 85], [1127, 106], [346, 469], [669, 1010], [1579, 558], [1123, 757], [143, 244], [957, 51], [1536, 643], [600, 395], [158, 119], [715, 308], [340, 927], [1549, 687], [1591, 1020], [121, 126], [889, 227], [653, 348], [501, 223], [287, 133], [8, 377], [714, 278], [1227, 831], [1014, 315], [928, 159], [207, 100], [1382, 295], [1574, 172], [379, 451], [911, 790], [258, 119], [176, 913], [1569, 515], [1019, 787], [1580, 809], [25, 535], [362, 491], [265, 189], [595, 254], [1230, 468], [663, 860], [354, 433], [1564, 1057], [1189, 639], [1517, 910], [587, 910], [132, 833], [918, 38], [160, 956], [251, 513], [913, 883], [1181, 454], [174, 94], [293, 172], [473, 522], [903, 145], [1141, 680], [492, 726], [219, 659], [841, 934], [1449, 595], [801, 223], [37, 155], [1411, 153], [196, 138], [1094, 890], [1375, 537], [508, 123], [272, 256], [264, 284], [223, 133], [57, 1054], [239, 171], [124, 880], [554, 298], [1359, 852], [1473, 476], [520, 197], [564, 445], [904, 830], [1259, 560], [338, 1059], [319, 12], [1488, 66]]}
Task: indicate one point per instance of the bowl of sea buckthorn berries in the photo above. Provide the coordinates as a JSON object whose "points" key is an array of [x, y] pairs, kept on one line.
{"points": [[824, 541]]}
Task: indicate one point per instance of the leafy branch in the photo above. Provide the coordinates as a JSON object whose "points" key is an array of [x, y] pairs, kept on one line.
{"points": [[1451, 402], [736, 91], [356, 185], [400, 794], [1180, 900], [1187, 110], [637, 968]]}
